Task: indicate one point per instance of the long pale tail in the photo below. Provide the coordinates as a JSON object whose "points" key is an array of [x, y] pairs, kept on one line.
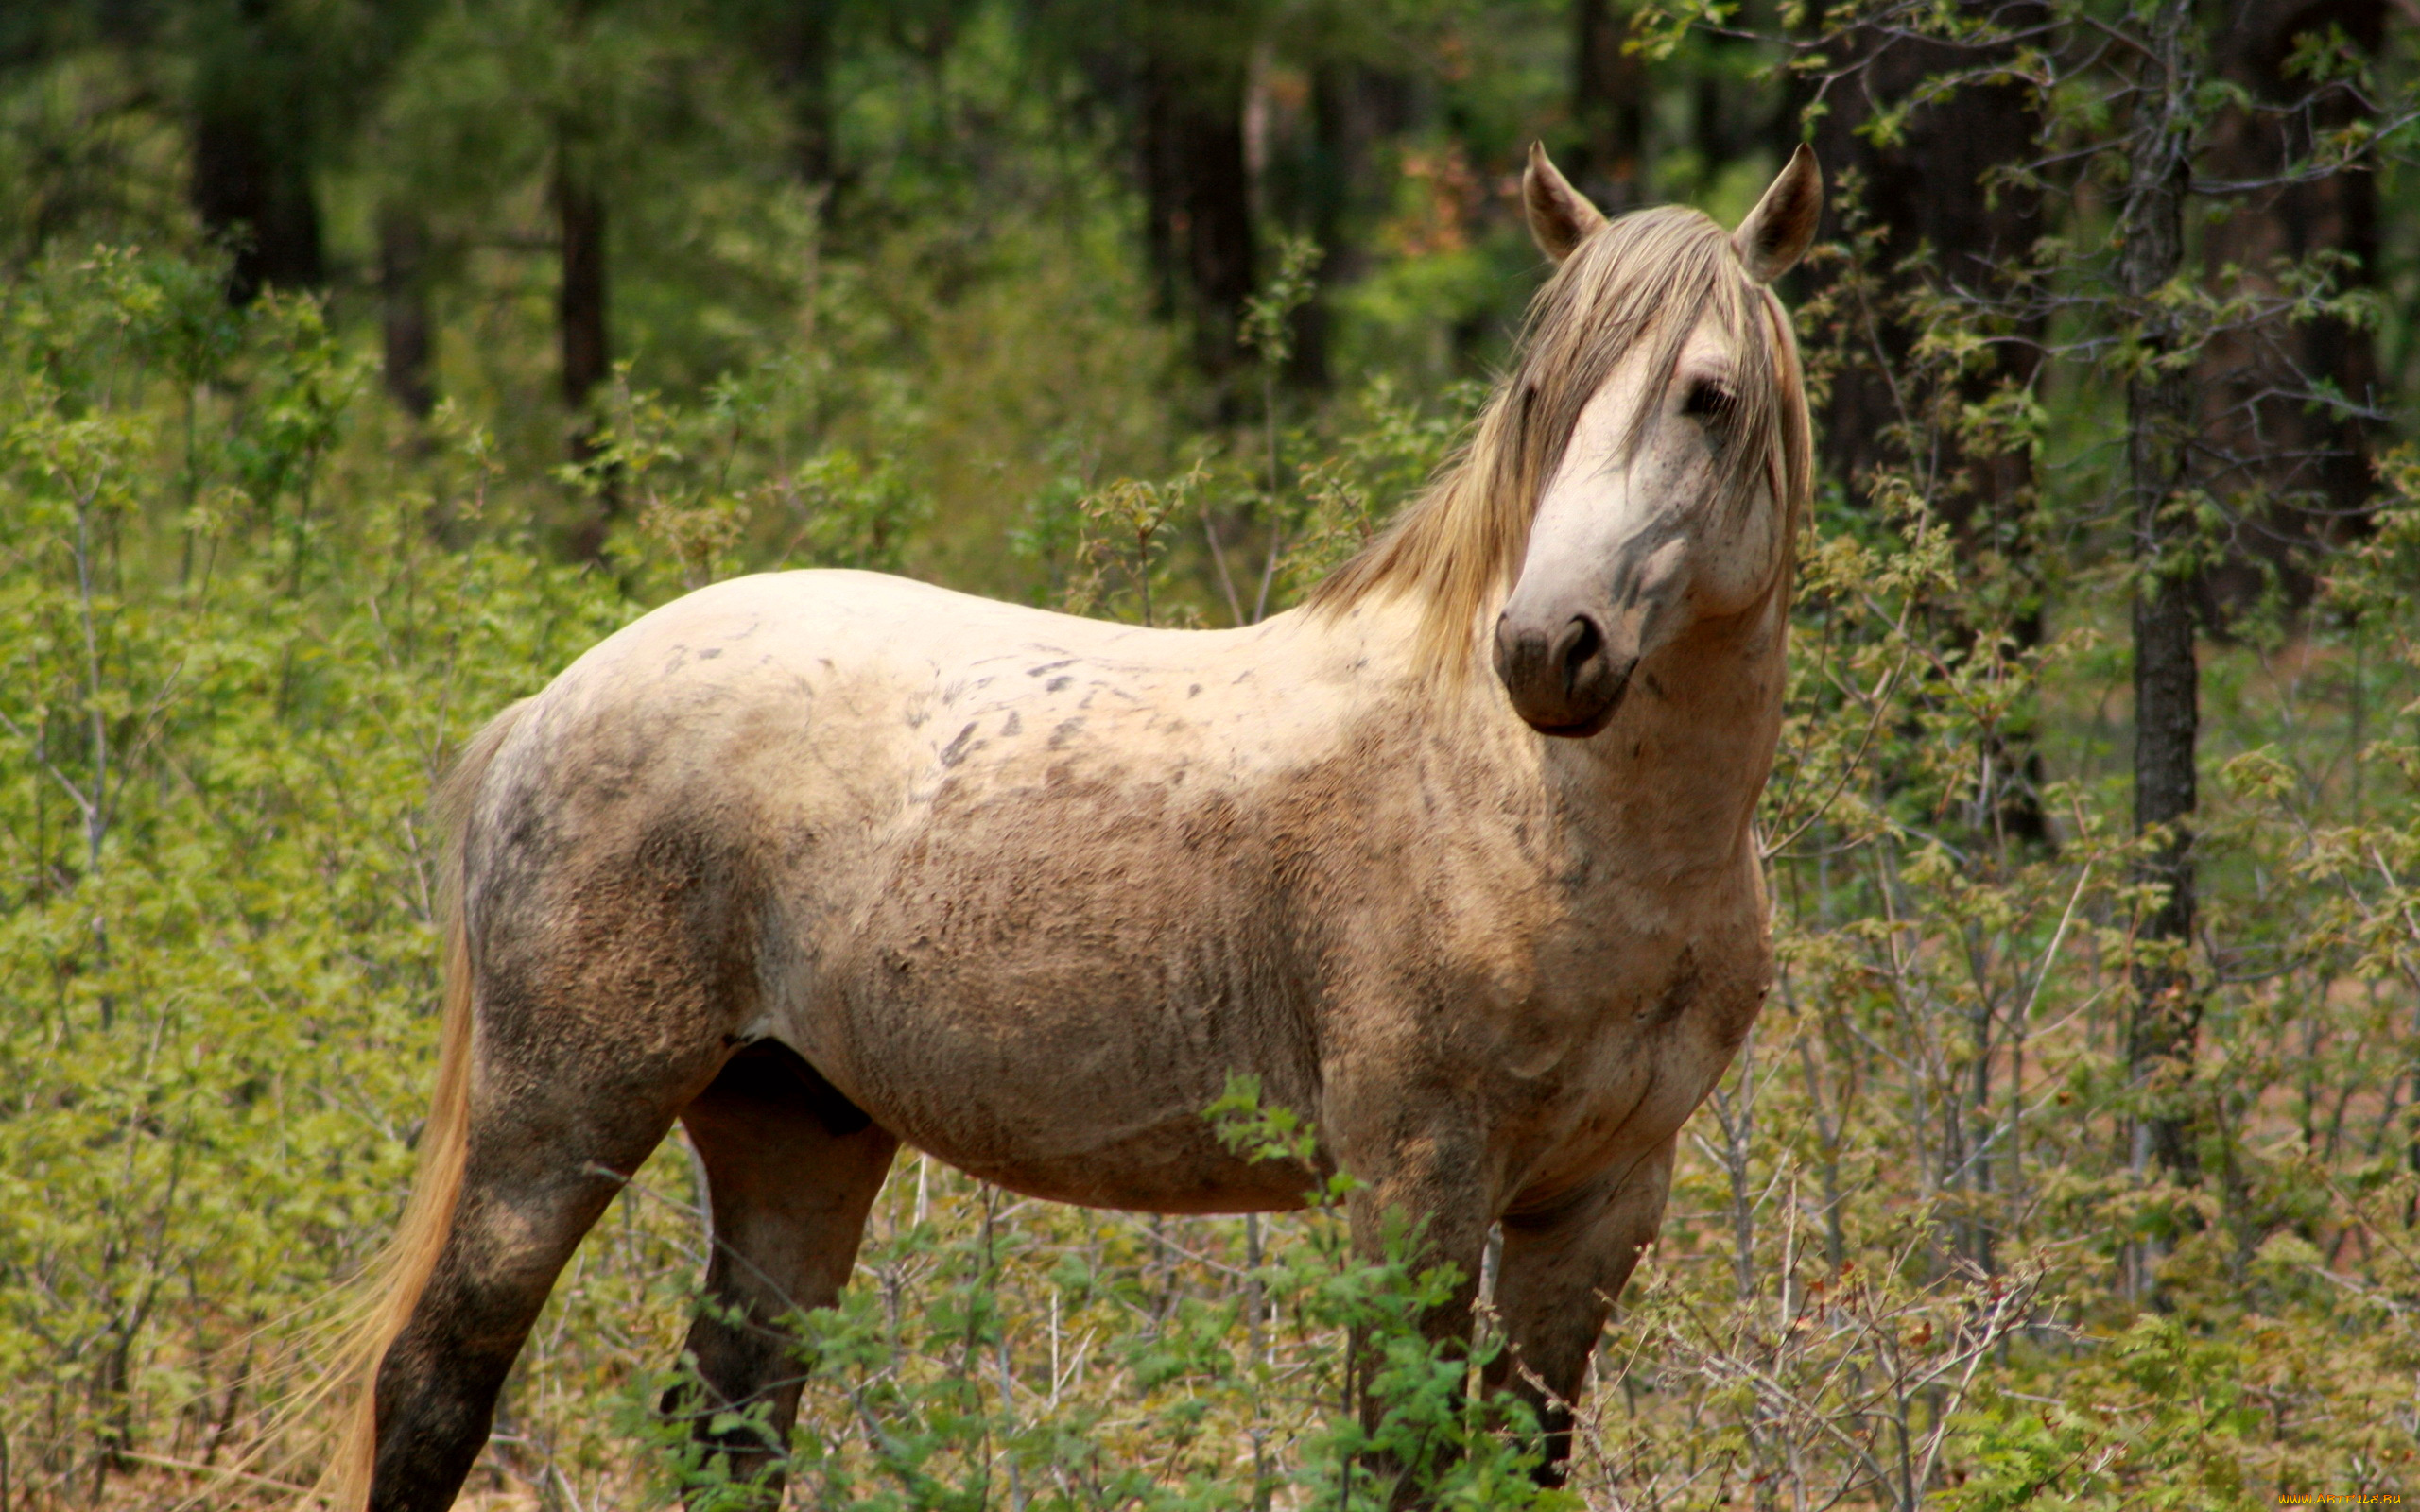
{"points": [[392, 1287]]}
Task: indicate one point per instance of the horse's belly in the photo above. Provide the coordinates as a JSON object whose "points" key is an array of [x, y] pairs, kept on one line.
{"points": [[1059, 1083], [1172, 1169], [1060, 1108]]}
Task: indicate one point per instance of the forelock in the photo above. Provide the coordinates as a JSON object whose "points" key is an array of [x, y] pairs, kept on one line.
{"points": [[1642, 283]]}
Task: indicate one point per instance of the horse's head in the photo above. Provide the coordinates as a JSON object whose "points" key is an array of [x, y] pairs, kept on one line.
{"points": [[1684, 447]]}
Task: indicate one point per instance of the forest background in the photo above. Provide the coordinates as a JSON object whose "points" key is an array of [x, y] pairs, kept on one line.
{"points": [[360, 363]]}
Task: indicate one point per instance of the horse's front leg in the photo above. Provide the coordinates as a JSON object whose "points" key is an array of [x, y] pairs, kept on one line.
{"points": [[1426, 1201], [1561, 1269]]}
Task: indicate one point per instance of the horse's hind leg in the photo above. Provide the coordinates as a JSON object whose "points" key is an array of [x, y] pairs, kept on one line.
{"points": [[529, 1194], [564, 1101], [791, 1169]]}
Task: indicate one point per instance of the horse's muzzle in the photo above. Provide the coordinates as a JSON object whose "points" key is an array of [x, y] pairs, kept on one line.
{"points": [[1563, 680]]}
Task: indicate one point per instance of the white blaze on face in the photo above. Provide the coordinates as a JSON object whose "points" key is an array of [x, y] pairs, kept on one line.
{"points": [[1633, 543]]}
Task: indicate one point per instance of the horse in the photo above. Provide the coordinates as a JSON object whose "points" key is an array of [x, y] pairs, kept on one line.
{"points": [[1457, 859]]}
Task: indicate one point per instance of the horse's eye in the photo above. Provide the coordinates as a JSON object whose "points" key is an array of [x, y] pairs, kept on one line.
{"points": [[1709, 401]]}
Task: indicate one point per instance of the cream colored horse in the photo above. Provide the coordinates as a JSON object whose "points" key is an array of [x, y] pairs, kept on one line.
{"points": [[817, 862]]}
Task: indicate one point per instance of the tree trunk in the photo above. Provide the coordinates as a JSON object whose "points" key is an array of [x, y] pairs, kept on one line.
{"points": [[1198, 192], [405, 320], [1932, 189], [799, 40], [581, 327], [2302, 466], [1609, 99], [1353, 109], [2160, 418], [252, 184], [580, 300]]}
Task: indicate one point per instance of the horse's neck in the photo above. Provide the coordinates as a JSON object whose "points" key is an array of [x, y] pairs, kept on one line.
{"points": [[1669, 787], [1672, 783]]}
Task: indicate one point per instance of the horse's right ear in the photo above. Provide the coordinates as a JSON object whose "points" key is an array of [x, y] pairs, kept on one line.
{"points": [[1561, 218]]}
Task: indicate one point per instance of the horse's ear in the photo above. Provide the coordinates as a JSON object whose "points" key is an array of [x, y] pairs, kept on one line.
{"points": [[1561, 218], [1776, 234]]}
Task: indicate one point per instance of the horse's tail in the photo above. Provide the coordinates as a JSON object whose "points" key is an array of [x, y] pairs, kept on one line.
{"points": [[391, 1287]]}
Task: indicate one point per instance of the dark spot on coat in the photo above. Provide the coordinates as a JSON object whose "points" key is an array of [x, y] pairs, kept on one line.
{"points": [[1057, 683], [956, 751], [710, 653], [1194, 692], [1014, 724], [1050, 666], [1066, 730], [1678, 993]]}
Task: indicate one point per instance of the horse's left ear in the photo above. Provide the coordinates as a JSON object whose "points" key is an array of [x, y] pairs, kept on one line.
{"points": [[1776, 234]]}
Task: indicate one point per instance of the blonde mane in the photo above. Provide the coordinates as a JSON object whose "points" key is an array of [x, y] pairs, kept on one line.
{"points": [[1648, 277]]}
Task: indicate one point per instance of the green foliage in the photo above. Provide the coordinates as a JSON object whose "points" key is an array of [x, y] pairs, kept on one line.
{"points": [[916, 1398], [224, 704], [702, 491]]}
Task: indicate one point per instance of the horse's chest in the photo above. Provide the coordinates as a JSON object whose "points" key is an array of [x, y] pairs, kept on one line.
{"points": [[1626, 1034]]}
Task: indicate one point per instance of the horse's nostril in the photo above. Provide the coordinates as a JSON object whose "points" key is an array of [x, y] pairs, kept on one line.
{"points": [[1576, 647]]}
